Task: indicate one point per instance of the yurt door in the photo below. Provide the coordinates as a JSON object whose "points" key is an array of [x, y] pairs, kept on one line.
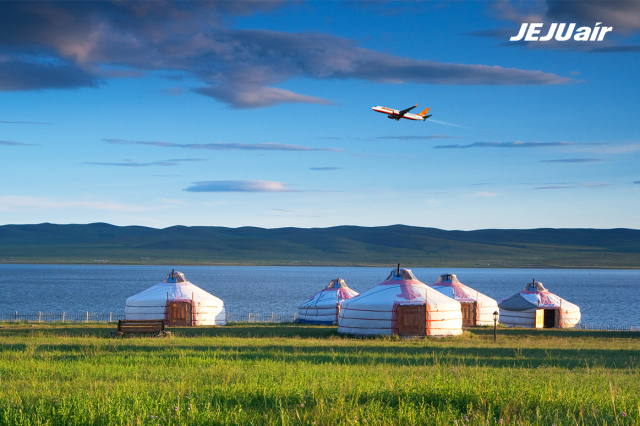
{"points": [[549, 318], [179, 314], [468, 313], [412, 320], [539, 318]]}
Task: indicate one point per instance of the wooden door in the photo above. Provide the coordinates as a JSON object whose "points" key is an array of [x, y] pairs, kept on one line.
{"points": [[539, 318], [412, 320], [468, 313], [179, 314]]}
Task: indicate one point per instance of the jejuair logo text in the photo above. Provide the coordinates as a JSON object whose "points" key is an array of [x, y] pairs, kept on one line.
{"points": [[582, 34]]}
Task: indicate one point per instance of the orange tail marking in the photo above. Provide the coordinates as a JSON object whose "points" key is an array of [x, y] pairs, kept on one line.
{"points": [[423, 113]]}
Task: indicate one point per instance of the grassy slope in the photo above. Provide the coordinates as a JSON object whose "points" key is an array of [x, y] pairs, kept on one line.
{"points": [[344, 245], [302, 375]]}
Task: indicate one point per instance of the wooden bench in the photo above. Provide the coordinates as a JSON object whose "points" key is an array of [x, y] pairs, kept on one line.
{"points": [[140, 326]]}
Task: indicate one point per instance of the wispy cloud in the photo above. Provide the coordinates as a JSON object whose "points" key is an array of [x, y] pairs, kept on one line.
{"points": [[20, 74], [240, 67], [325, 168], [485, 194], [594, 185], [570, 186], [18, 203], [239, 186], [24, 122], [514, 144], [164, 163], [284, 210], [11, 143], [224, 146], [418, 138], [618, 148], [555, 187], [574, 160]]}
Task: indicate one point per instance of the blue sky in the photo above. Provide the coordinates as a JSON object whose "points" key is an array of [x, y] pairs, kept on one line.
{"points": [[259, 114]]}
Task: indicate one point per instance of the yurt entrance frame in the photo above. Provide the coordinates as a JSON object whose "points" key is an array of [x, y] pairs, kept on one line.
{"points": [[469, 313], [548, 318], [180, 313], [412, 320]]}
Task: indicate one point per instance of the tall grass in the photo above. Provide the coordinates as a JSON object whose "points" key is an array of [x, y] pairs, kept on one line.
{"points": [[301, 375]]}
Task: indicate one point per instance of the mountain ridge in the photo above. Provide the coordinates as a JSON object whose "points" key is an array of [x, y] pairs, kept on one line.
{"points": [[344, 245]]}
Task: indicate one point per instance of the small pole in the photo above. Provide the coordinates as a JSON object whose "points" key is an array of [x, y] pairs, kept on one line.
{"points": [[87, 316], [63, 316], [495, 326], [398, 273], [109, 316], [39, 316], [16, 320]]}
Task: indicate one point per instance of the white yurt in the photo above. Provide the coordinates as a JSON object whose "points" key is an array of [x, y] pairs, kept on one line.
{"points": [[477, 309], [536, 307], [401, 305], [323, 307], [178, 302]]}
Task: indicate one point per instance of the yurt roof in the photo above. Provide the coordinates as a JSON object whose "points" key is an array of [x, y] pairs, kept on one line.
{"points": [[401, 274], [450, 286], [175, 277], [336, 291], [174, 287], [401, 286], [533, 296], [448, 278], [337, 283]]}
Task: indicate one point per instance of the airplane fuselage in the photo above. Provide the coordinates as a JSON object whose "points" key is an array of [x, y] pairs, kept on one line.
{"points": [[395, 114]]}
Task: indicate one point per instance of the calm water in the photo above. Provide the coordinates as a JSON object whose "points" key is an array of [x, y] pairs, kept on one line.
{"points": [[607, 297]]}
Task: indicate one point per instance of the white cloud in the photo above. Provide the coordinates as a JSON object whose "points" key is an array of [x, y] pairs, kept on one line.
{"points": [[239, 186]]}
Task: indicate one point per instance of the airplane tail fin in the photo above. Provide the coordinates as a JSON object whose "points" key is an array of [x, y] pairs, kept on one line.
{"points": [[424, 115]]}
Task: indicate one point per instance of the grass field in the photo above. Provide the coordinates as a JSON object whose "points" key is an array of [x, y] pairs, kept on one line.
{"points": [[247, 374]]}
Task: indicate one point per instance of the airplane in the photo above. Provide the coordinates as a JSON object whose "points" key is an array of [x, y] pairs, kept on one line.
{"points": [[397, 115]]}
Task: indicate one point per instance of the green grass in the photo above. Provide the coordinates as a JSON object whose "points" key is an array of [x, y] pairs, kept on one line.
{"points": [[253, 374]]}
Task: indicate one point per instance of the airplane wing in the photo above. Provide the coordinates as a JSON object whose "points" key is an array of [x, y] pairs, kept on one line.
{"points": [[404, 111]]}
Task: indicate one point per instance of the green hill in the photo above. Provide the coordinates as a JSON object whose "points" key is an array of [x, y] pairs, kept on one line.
{"points": [[340, 245]]}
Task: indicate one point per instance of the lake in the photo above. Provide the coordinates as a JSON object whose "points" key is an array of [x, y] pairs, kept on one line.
{"points": [[605, 297]]}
